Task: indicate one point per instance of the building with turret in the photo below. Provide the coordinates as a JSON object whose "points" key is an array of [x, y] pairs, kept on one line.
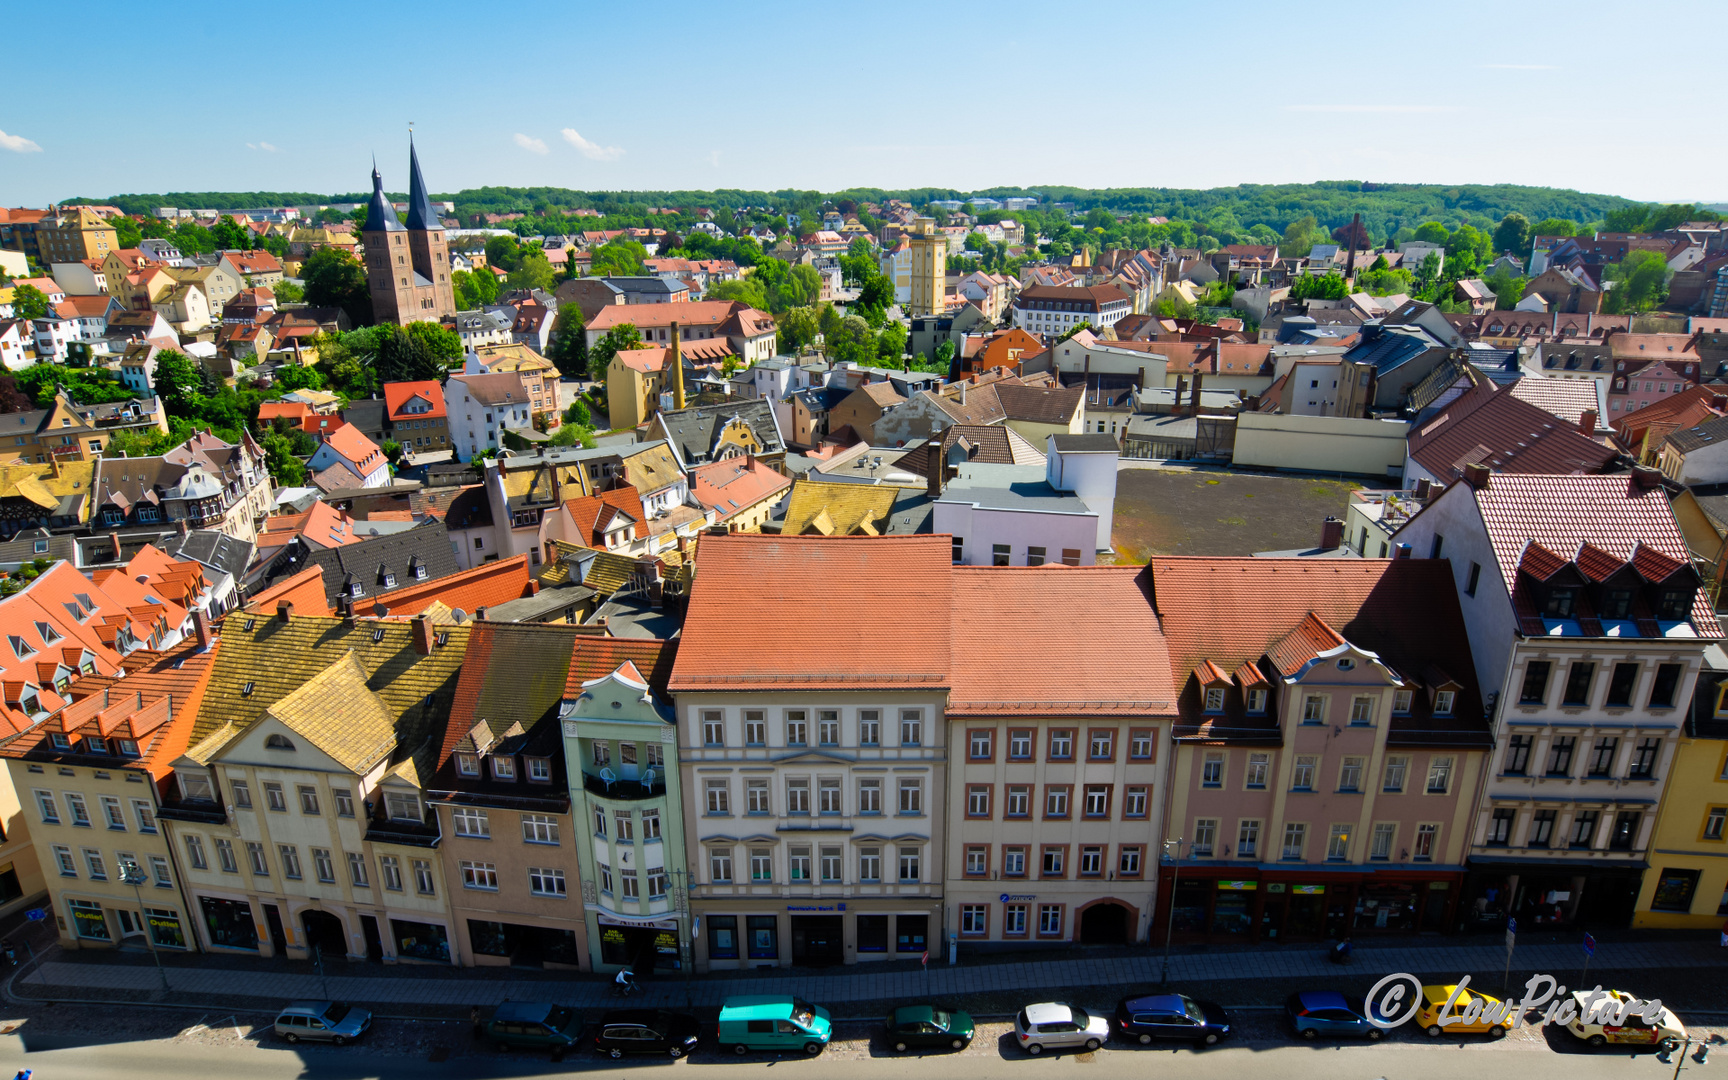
{"points": [[407, 263]]}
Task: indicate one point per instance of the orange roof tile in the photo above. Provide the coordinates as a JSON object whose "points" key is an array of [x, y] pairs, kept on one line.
{"points": [[787, 589], [469, 590], [398, 394]]}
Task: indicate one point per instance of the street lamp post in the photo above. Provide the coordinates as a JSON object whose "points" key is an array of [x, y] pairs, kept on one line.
{"points": [[132, 874], [686, 943], [1170, 920]]}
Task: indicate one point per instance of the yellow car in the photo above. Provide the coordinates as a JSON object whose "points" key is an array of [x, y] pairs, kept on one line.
{"points": [[1667, 1031], [1434, 999]]}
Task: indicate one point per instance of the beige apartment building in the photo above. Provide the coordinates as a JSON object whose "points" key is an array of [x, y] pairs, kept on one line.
{"points": [[300, 818], [1055, 790]]}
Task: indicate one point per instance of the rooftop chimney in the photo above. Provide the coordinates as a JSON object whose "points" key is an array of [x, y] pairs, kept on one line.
{"points": [[1587, 423], [201, 629], [1402, 551], [1643, 476], [1422, 489], [284, 608], [1719, 402], [1331, 534], [963, 383], [1195, 397], [933, 468], [677, 358], [1176, 402], [1476, 475], [423, 635], [480, 613]]}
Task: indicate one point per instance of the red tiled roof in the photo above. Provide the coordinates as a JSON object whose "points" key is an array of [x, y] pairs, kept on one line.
{"points": [[1507, 434], [786, 591], [596, 657], [1311, 638], [398, 394], [1563, 512], [468, 590], [1540, 563], [1053, 629], [596, 514], [355, 448], [304, 590], [728, 485]]}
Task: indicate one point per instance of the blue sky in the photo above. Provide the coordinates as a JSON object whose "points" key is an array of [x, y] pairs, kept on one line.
{"points": [[819, 95]]}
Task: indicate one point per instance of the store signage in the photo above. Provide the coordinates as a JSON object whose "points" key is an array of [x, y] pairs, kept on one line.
{"points": [[1308, 890], [815, 907], [1010, 897], [1389, 996], [1239, 885]]}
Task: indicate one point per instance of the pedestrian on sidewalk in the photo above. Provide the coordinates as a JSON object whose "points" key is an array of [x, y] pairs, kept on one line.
{"points": [[10, 950], [474, 1018]]}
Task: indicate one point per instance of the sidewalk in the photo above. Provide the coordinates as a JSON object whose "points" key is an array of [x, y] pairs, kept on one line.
{"points": [[135, 977]]}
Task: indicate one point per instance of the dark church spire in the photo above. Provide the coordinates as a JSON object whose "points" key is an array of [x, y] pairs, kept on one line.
{"points": [[380, 215], [421, 213]]}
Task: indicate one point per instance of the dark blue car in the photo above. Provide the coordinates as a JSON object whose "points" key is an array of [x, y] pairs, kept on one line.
{"points": [[1328, 1014], [1170, 1016]]}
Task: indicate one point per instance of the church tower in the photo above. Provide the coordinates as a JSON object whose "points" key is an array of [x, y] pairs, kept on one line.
{"points": [[407, 266]]}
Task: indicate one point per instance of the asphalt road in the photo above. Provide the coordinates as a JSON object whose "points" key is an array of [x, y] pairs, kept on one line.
{"points": [[268, 1060]]}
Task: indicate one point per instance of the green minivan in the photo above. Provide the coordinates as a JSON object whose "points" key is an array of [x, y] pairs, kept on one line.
{"points": [[773, 1022]]}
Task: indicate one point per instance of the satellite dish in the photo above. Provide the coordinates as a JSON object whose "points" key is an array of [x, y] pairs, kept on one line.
{"points": [[459, 615]]}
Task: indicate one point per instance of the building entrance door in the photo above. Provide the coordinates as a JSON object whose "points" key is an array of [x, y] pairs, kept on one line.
{"points": [[325, 933], [1104, 924], [818, 940], [278, 936]]}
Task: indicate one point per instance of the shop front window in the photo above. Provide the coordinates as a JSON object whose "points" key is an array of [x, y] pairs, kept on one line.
{"points": [[1231, 911], [872, 933], [88, 920], [1191, 903], [1307, 910], [229, 923], [722, 937], [165, 928], [909, 933], [1389, 906], [421, 941], [764, 937]]}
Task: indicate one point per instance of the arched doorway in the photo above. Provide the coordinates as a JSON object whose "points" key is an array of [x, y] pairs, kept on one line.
{"points": [[1104, 923], [325, 932]]}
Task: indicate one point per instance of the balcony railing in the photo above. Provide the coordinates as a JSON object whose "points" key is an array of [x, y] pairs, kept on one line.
{"points": [[622, 788]]}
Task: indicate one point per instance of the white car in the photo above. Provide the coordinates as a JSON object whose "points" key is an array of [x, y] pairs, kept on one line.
{"points": [[1055, 1026], [1667, 1031]]}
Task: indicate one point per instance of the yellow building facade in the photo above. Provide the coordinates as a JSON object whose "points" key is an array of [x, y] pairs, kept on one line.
{"points": [[929, 267], [73, 237], [1686, 886]]}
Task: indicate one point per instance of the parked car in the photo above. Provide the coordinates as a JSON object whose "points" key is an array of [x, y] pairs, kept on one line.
{"points": [[1053, 1025], [1667, 1032], [534, 1025], [1171, 1016], [646, 1031], [1434, 999], [1327, 1013], [334, 1022], [773, 1022], [912, 1026]]}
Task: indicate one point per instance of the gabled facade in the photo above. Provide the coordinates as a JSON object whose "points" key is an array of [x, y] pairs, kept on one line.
{"points": [[299, 811], [626, 791], [1329, 746], [1589, 627]]}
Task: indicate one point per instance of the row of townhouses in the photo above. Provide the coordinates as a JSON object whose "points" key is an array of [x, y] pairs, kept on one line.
{"points": [[857, 750]]}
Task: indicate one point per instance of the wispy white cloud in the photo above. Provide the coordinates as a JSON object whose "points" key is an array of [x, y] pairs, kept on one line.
{"points": [[267, 147], [18, 144], [714, 158], [1519, 67], [529, 143], [591, 150], [1371, 108]]}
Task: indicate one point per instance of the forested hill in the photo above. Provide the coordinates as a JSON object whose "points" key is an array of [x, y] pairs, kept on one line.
{"points": [[1385, 208]]}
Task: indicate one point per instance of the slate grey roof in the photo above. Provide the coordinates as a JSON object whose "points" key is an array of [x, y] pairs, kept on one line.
{"points": [[217, 550], [692, 431], [1708, 433], [37, 544], [547, 602], [421, 213], [366, 564], [380, 215]]}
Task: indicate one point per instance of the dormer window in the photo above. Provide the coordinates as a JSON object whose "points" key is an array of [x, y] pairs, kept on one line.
{"points": [[355, 588], [389, 580], [539, 770], [1214, 699], [1443, 702], [60, 740], [1401, 700], [468, 764], [95, 745], [126, 748], [1672, 605], [1256, 700], [195, 787], [1616, 604], [1558, 603], [504, 768]]}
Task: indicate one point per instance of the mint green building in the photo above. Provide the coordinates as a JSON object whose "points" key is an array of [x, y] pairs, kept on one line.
{"points": [[621, 753]]}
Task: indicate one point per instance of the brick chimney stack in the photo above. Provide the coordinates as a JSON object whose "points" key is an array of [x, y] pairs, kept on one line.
{"points": [[676, 356], [1587, 423], [284, 608], [1331, 534], [423, 635], [1476, 475]]}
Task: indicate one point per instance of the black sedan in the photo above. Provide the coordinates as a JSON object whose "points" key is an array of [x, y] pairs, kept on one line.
{"points": [[645, 1031], [1170, 1016]]}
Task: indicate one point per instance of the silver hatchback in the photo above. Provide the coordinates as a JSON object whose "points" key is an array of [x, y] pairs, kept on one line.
{"points": [[334, 1022], [1053, 1025]]}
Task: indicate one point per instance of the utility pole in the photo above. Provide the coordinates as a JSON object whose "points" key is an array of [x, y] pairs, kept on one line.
{"points": [[132, 874], [1170, 920]]}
